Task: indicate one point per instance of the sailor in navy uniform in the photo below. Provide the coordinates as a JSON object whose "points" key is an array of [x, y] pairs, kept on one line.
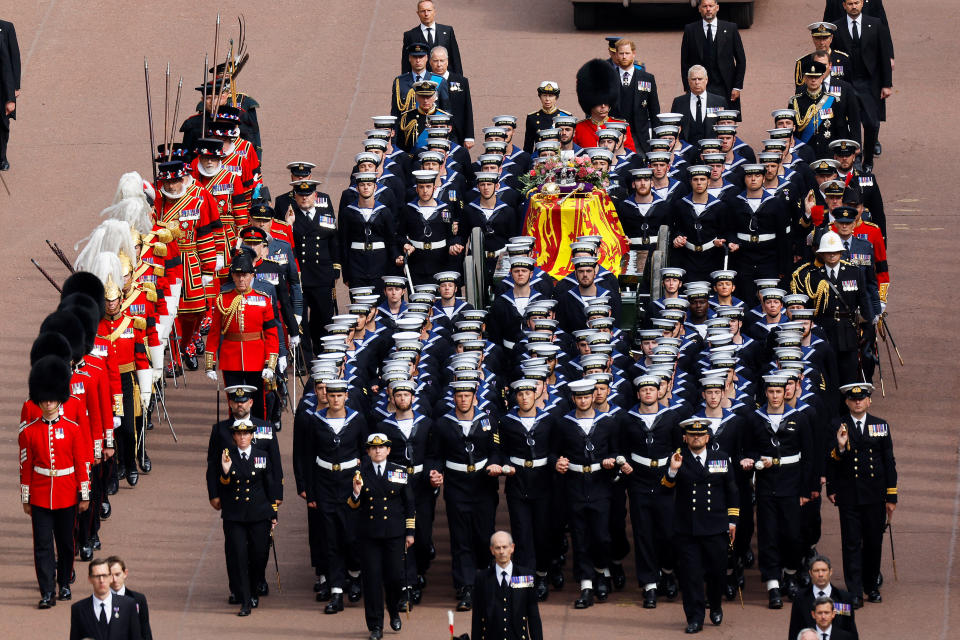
{"points": [[862, 483], [368, 236], [426, 230], [699, 228], [572, 305], [707, 509]]}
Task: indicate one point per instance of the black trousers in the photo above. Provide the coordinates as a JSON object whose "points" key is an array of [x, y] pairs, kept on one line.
{"points": [[651, 516], [319, 308], [861, 537], [88, 522], [471, 524], [590, 531], [812, 523], [701, 560], [530, 526], [746, 521], [315, 539], [247, 545], [619, 545], [779, 540], [53, 526], [338, 534], [381, 563], [254, 379], [418, 558], [125, 436], [4, 137]]}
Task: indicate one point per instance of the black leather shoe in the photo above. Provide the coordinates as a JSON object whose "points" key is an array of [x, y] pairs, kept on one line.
{"points": [[403, 604], [585, 600], [4, 166], [716, 616], [254, 601], [200, 346], [421, 582], [105, 510], [395, 623], [416, 595], [466, 600], [46, 601], [857, 602], [748, 559], [650, 599], [790, 586], [540, 588], [774, 599], [149, 426], [86, 553], [73, 576], [432, 552], [617, 577], [694, 627], [95, 542], [354, 590], [670, 587], [879, 579], [244, 611], [133, 477], [877, 149], [190, 362], [730, 589], [263, 589], [323, 592], [144, 462], [121, 472], [64, 593], [376, 634], [233, 599], [556, 578], [804, 580], [335, 605], [874, 596], [602, 590]]}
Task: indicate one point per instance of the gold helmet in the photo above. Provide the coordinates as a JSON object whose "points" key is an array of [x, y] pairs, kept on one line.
{"points": [[110, 289]]}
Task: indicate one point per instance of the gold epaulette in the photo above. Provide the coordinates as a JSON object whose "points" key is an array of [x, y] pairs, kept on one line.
{"points": [[150, 293], [164, 235], [159, 249], [140, 323]]}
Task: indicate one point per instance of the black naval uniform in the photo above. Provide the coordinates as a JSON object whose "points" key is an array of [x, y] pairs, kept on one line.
{"points": [[839, 68], [412, 123], [385, 515], [832, 116], [536, 122], [506, 605], [863, 476], [368, 244], [763, 235], [699, 256], [431, 238], [469, 492], [706, 504], [248, 497], [318, 252]]}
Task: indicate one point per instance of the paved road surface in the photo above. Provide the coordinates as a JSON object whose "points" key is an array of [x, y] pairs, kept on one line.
{"points": [[319, 76]]}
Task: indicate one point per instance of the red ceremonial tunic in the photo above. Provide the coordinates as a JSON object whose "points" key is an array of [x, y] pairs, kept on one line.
{"points": [[585, 134], [243, 333], [54, 458]]}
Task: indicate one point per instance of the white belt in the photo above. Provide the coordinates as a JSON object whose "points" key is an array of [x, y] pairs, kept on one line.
{"points": [[417, 468], [529, 464], [467, 468], [787, 460], [439, 244], [53, 473], [762, 237], [584, 468], [649, 462], [333, 466], [643, 240], [367, 246], [700, 247]]}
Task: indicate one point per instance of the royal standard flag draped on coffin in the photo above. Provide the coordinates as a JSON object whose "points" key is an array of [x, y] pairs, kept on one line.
{"points": [[555, 221]]}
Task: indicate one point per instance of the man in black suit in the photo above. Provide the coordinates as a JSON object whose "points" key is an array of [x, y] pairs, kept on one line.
{"points": [[639, 102], [118, 585], [825, 615], [716, 45], [433, 35], [9, 85], [459, 101], [867, 41], [833, 12], [801, 613], [696, 105], [104, 615], [505, 592]]}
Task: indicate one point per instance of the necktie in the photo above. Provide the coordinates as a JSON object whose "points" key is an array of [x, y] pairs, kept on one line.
{"points": [[821, 593], [846, 245], [243, 455], [860, 427], [503, 579], [430, 37], [825, 636], [379, 471], [855, 32], [626, 78], [832, 274], [700, 461], [418, 78], [102, 619], [699, 109], [710, 34]]}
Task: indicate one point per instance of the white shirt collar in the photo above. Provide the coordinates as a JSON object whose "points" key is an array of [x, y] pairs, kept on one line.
{"points": [[500, 570], [121, 592], [852, 20], [712, 23], [432, 25], [826, 591], [246, 451], [108, 601]]}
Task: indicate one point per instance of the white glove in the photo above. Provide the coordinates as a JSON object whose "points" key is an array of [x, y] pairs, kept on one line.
{"points": [[282, 363], [212, 374], [294, 341], [116, 422], [219, 263], [144, 400], [883, 307], [157, 374], [206, 280], [299, 319], [267, 373]]}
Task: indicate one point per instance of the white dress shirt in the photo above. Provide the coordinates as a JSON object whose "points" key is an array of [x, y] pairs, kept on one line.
{"points": [[501, 570], [426, 36], [703, 105], [626, 75], [825, 634], [245, 453], [858, 21], [108, 601], [713, 27], [822, 593]]}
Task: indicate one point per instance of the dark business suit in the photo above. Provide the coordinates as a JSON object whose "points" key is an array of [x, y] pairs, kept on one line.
{"points": [[725, 62], [833, 11], [124, 624], [693, 131], [460, 105], [516, 606], [142, 612], [9, 80], [869, 72], [443, 36], [800, 617], [639, 105]]}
